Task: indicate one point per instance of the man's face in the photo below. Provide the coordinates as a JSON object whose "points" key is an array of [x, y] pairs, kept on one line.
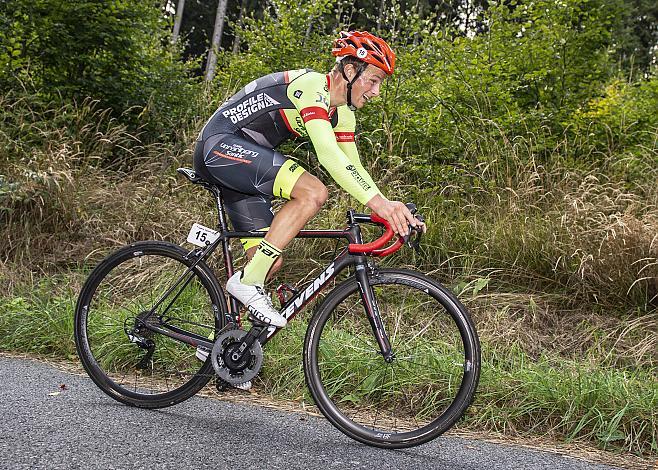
{"points": [[367, 85]]}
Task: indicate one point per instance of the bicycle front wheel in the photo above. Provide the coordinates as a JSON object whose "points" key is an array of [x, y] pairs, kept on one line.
{"points": [[417, 396], [129, 362]]}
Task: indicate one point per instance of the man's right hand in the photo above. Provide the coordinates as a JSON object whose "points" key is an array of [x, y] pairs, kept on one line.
{"points": [[395, 213]]}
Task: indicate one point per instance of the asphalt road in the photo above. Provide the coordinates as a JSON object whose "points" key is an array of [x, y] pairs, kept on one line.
{"points": [[80, 427]]}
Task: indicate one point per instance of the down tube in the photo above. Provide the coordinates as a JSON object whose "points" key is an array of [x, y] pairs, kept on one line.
{"points": [[297, 303]]}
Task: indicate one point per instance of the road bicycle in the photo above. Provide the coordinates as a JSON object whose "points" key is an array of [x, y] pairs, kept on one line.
{"points": [[390, 357]]}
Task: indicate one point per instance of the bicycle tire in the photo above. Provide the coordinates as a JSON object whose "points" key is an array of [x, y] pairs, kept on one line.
{"points": [[122, 287], [437, 355]]}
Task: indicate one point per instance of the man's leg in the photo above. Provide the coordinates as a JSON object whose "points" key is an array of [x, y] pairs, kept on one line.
{"points": [[255, 174], [306, 198], [275, 267]]}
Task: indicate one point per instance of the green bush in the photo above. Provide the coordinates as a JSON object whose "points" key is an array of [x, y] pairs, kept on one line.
{"points": [[115, 51]]}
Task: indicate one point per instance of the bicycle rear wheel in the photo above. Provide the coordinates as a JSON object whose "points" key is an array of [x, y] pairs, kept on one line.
{"points": [[417, 396], [137, 366]]}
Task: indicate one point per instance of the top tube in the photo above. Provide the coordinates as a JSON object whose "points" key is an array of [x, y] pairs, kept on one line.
{"points": [[351, 234]]}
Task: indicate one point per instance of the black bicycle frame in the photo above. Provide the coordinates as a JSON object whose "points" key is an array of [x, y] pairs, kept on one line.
{"points": [[352, 234]]}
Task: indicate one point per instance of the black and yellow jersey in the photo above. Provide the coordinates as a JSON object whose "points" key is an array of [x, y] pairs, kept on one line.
{"points": [[292, 104]]}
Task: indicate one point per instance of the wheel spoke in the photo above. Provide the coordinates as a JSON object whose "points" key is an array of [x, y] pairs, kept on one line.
{"points": [[127, 287], [403, 398]]}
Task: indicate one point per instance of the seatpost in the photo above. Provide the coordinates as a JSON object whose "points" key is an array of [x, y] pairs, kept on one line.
{"points": [[219, 201]]}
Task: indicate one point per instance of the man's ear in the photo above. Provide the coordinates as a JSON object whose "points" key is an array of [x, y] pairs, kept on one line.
{"points": [[350, 71]]}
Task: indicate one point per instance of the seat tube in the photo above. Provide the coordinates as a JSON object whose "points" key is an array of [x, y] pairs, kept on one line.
{"points": [[372, 310], [226, 247]]}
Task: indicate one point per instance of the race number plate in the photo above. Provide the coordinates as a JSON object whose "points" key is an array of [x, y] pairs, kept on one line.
{"points": [[201, 236]]}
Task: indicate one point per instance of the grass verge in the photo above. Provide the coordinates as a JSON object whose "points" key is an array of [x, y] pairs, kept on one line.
{"points": [[574, 400]]}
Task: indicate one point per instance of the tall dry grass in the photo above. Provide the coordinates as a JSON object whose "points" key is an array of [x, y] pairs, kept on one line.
{"points": [[74, 179], [558, 263]]}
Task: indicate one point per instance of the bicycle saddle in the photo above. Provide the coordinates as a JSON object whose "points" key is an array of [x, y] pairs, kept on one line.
{"points": [[191, 175]]}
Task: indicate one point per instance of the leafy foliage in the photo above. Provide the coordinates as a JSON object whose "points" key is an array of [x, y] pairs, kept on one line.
{"points": [[526, 130], [111, 51]]}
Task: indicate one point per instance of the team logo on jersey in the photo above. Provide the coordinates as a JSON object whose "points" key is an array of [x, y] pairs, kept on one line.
{"points": [[314, 112], [298, 94], [322, 99], [232, 157], [299, 127], [248, 107], [357, 176]]}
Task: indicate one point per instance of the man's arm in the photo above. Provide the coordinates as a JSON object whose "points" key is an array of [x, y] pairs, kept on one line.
{"points": [[346, 143], [311, 98], [350, 175], [310, 95], [393, 211]]}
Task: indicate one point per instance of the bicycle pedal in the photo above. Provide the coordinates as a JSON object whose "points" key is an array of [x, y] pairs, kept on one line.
{"points": [[286, 292], [256, 322]]}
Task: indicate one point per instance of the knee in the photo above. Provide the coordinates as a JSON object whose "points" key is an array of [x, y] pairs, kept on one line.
{"points": [[316, 196], [321, 196], [310, 192]]}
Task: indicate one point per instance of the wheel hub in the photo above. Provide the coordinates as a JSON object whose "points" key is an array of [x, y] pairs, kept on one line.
{"points": [[143, 319]]}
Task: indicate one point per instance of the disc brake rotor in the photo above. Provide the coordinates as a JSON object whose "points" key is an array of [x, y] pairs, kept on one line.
{"points": [[235, 372]]}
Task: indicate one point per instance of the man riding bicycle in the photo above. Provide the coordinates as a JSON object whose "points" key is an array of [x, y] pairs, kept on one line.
{"points": [[235, 150]]}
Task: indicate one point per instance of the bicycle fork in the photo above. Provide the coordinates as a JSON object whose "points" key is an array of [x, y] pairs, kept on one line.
{"points": [[372, 312]]}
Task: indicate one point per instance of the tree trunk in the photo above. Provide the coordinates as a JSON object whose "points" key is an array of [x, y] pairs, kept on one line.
{"points": [[236, 37], [382, 8], [339, 15], [308, 30], [178, 20], [216, 40]]}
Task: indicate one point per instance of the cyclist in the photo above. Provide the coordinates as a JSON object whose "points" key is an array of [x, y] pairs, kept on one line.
{"points": [[236, 151]]}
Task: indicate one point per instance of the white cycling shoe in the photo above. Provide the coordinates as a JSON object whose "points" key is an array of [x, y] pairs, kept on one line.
{"points": [[256, 300], [202, 353]]}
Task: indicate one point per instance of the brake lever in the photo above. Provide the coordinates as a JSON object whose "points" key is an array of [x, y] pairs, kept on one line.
{"points": [[415, 241], [413, 209], [410, 240]]}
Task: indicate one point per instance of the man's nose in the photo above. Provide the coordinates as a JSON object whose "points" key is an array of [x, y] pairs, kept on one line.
{"points": [[375, 89]]}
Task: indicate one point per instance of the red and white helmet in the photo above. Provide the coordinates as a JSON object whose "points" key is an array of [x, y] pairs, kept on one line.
{"points": [[366, 47]]}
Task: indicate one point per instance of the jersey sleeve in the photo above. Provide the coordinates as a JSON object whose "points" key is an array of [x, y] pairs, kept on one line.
{"points": [[344, 132], [310, 95]]}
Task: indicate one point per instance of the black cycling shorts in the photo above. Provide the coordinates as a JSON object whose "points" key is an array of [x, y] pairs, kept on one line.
{"points": [[251, 176]]}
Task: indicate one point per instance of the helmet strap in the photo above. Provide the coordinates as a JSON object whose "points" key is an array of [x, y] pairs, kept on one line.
{"points": [[359, 70]]}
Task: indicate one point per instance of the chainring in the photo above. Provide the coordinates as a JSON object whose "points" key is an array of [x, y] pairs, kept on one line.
{"points": [[230, 371]]}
